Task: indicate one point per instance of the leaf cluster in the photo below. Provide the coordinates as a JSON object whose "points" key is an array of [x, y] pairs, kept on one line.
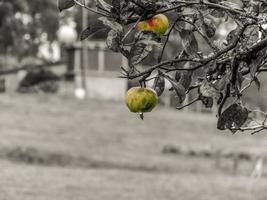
{"points": [[218, 74]]}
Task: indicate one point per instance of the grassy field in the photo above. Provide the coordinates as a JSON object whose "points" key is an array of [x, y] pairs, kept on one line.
{"points": [[58, 148]]}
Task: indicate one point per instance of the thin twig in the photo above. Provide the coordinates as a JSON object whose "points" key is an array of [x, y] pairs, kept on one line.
{"points": [[166, 41], [132, 28], [90, 9], [190, 103]]}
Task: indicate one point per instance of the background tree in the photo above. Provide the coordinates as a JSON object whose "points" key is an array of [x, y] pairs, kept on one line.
{"points": [[23, 22], [220, 73]]}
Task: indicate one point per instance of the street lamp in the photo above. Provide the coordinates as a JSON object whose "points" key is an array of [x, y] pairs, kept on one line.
{"points": [[81, 92], [67, 36]]}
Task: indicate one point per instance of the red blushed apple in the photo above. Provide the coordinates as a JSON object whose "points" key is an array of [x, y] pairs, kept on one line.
{"points": [[159, 24]]}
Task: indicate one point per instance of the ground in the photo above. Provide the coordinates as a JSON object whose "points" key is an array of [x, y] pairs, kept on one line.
{"points": [[59, 148]]}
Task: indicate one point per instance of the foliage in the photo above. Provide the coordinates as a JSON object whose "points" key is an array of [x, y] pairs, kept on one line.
{"points": [[220, 74]]}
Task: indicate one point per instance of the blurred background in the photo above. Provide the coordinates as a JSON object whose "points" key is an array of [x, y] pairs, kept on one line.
{"points": [[66, 133]]}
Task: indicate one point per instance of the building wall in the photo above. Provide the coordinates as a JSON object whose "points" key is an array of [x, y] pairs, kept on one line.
{"points": [[102, 71], [105, 88]]}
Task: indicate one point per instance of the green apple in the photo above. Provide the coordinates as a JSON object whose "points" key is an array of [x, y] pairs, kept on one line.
{"points": [[140, 100]]}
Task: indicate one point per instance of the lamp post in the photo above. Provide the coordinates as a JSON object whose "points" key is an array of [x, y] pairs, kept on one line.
{"points": [[81, 91], [84, 63], [67, 35]]}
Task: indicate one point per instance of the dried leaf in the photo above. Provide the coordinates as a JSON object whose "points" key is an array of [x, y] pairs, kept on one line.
{"points": [[255, 63], [142, 47], [112, 24], [113, 40], [217, 13], [207, 101], [257, 82], [233, 118], [90, 30], [178, 88], [65, 4], [105, 5], [209, 27], [189, 42], [207, 89], [159, 84], [186, 79], [139, 52]]}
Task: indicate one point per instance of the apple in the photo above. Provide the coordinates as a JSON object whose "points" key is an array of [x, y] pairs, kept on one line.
{"points": [[159, 24], [140, 100]]}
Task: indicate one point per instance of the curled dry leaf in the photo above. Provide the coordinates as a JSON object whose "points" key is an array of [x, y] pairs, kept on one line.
{"points": [[159, 84], [233, 118], [208, 90]]}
